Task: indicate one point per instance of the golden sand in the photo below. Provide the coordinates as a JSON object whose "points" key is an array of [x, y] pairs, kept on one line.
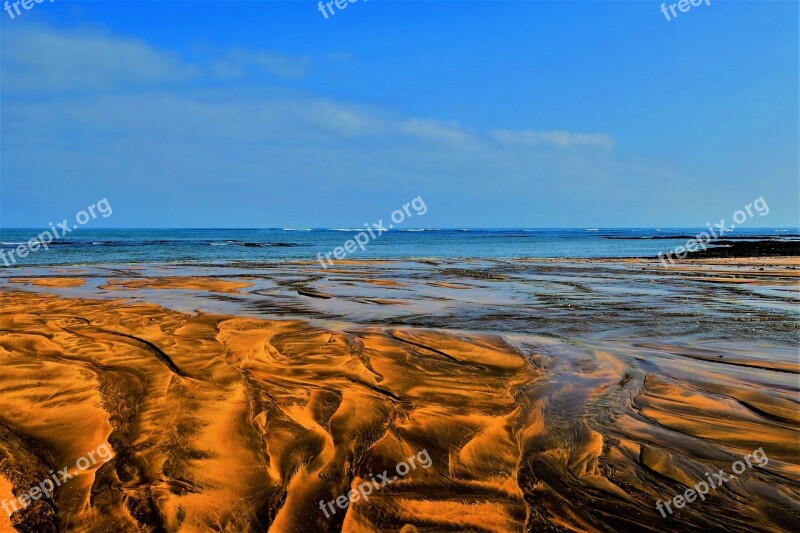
{"points": [[243, 422], [51, 282], [193, 283]]}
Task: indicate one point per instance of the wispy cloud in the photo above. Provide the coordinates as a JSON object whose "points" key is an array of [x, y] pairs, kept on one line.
{"points": [[431, 129], [236, 64], [40, 59], [560, 139]]}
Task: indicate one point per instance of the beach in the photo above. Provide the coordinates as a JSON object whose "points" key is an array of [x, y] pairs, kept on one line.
{"points": [[550, 394], [399, 267]]}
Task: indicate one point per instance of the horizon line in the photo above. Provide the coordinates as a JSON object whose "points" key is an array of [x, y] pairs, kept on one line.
{"points": [[456, 228]]}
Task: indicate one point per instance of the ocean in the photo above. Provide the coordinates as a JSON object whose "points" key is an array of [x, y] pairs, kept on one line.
{"points": [[93, 246]]}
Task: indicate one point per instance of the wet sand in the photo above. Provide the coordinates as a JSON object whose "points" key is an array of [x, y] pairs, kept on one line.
{"points": [[551, 395]]}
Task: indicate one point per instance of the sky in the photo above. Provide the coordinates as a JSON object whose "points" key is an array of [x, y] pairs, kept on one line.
{"points": [[498, 114]]}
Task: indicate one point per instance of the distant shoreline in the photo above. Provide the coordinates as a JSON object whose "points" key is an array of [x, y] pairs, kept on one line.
{"points": [[224, 247], [765, 247]]}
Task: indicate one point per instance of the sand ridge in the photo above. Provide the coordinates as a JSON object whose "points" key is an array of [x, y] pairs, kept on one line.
{"points": [[248, 423]]}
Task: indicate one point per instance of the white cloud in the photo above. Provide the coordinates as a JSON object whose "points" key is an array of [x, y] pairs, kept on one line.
{"points": [[41, 60], [560, 139], [281, 65], [431, 129]]}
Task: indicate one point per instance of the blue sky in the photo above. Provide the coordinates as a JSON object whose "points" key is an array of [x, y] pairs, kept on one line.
{"points": [[499, 114]]}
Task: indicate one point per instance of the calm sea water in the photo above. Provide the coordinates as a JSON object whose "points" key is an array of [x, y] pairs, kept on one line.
{"points": [[87, 245]]}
